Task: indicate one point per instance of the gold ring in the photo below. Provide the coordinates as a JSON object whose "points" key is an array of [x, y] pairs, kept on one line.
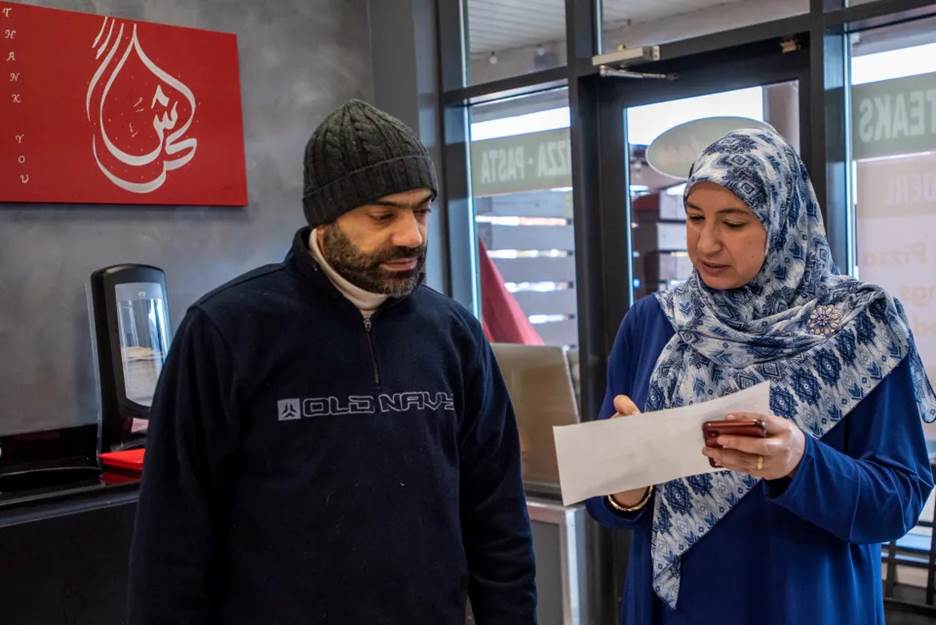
{"points": [[760, 463]]}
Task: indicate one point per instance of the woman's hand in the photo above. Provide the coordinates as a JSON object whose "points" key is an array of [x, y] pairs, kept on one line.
{"points": [[624, 406], [769, 458]]}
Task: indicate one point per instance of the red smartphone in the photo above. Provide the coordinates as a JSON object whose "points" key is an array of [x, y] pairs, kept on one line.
{"points": [[711, 430]]}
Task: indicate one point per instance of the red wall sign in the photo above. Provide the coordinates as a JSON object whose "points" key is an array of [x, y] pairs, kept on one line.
{"points": [[97, 109]]}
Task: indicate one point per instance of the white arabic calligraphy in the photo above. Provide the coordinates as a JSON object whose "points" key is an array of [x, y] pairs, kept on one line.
{"points": [[172, 148]]}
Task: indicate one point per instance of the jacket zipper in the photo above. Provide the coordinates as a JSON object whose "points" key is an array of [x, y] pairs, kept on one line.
{"points": [[368, 328]]}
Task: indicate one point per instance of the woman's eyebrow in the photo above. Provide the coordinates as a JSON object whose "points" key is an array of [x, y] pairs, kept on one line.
{"points": [[722, 211]]}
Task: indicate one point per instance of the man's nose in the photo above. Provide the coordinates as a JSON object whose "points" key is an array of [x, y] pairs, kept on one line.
{"points": [[408, 232]]}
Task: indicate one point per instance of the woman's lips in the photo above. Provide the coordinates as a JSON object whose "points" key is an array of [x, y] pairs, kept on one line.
{"points": [[712, 269]]}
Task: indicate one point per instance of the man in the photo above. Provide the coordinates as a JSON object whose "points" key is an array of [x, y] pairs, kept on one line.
{"points": [[331, 441]]}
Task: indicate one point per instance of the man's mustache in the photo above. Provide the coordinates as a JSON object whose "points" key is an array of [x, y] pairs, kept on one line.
{"points": [[397, 253]]}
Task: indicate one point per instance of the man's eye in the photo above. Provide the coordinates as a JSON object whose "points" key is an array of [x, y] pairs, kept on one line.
{"points": [[696, 218]]}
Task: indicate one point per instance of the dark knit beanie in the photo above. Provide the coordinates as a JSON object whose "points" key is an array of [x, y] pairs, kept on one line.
{"points": [[357, 155]]}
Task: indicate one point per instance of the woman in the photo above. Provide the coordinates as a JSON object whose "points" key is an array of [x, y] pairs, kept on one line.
{"points": [[792, 532]]}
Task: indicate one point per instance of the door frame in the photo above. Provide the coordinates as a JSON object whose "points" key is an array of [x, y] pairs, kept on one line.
{"points": [[752, 65], [601, 182]]}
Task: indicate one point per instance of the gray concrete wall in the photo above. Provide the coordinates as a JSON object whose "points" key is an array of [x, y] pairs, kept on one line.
{"points": [[298, 60]]}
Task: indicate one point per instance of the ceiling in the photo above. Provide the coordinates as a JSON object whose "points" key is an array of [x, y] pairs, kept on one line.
{"points": [[505, 24]]}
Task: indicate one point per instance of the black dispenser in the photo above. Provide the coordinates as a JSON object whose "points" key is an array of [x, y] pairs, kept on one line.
{"points": [[131, 334]]}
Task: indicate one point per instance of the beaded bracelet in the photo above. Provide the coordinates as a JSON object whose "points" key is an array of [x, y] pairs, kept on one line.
{"points": [[637, 506]]}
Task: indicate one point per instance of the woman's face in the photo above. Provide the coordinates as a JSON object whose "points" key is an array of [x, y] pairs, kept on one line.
{"points": [[726, 241]]}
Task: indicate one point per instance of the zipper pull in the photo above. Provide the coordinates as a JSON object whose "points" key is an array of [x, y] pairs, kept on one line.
{"points": [[368, 326]]}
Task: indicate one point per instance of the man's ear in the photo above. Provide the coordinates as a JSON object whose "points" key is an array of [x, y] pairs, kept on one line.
{"points": [[320, 232]]}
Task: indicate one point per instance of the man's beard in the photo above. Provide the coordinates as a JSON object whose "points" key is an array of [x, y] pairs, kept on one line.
{"points": [[364, 270]]}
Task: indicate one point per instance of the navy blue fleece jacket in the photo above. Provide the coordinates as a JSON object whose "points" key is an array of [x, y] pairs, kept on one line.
{"points": [[303, 467]]}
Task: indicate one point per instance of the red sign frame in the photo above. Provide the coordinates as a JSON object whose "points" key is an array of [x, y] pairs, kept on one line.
{"points": [[98, 109]]}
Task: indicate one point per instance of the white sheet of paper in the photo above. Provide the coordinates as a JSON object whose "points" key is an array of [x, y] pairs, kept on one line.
{"points": [[614, 455]]}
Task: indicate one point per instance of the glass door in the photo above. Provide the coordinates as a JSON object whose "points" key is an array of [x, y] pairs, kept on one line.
{"points": [[662, 140], [658, 126], [650, 130]]}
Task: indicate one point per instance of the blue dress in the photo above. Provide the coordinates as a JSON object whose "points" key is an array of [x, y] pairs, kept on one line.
{"points": [[804, 551]]}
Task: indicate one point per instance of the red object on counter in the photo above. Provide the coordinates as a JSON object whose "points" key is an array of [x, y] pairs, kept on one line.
{"points": [[123, 463], [118, 478]]}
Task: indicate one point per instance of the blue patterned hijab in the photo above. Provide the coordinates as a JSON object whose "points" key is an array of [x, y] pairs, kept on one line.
{"points": [[823, 340]]}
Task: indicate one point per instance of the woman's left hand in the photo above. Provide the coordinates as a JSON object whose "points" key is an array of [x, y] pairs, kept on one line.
{"points": [[769, 458]]}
